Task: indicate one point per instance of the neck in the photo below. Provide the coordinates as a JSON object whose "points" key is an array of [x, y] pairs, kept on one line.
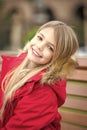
{"points": [[31, 66]]}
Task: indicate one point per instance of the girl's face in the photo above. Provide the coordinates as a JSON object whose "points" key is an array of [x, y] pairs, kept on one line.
{"points": [[42, 47]]}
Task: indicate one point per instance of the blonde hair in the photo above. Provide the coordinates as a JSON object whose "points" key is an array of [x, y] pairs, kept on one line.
{"points": [[59, 67]]}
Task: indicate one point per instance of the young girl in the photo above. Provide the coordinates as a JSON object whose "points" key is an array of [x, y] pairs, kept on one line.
{"points": [[33, 84]]}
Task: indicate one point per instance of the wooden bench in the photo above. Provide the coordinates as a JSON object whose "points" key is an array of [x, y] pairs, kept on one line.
{"points": [[74, 110]]}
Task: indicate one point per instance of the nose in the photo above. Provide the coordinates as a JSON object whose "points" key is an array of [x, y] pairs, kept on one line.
{"points": [[41, 45]]}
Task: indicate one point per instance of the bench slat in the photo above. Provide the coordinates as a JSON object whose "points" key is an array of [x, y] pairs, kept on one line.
{"points": [[74, 117], [76, 103], [79, 75], [82, 62], [65, 126], [75, 89]]}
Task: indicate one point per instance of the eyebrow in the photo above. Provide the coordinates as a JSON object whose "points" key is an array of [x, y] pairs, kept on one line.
{"points": [[47, 41]]}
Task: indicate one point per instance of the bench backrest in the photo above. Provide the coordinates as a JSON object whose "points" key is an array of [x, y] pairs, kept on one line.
{"points": [[74, 110]]}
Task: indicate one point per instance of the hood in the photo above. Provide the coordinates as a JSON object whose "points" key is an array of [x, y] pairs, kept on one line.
{"points": [[59, 88]]}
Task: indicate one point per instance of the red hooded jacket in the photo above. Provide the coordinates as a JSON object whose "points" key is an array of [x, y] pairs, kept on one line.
{"points": [[34, 106]]}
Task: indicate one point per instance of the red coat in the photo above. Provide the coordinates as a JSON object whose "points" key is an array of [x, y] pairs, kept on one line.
{"points": [[34, 106]]}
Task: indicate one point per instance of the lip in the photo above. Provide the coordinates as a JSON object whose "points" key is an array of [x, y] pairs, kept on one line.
{"points": [[36, 53]]}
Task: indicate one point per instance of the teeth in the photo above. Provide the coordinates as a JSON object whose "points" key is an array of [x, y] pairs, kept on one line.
{"points": [[36, 53]]}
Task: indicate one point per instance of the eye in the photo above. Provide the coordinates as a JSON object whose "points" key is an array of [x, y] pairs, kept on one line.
{"points": [[50, 48], [39, 38]]}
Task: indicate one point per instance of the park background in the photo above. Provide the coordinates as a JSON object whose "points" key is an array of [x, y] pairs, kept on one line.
{"points": [[19, 19]]}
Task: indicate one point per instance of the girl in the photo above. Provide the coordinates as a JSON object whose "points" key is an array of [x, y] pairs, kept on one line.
{"points": [[33, 84]]}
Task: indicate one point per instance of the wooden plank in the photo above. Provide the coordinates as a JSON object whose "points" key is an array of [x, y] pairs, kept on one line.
{"points": [[75, 89], [66, 126], [79, 75], [78, 83], [76, 103], [74, 117], [82, 62]]}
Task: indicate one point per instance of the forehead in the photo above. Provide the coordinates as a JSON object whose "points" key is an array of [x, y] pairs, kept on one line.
{"points": [[48, 33]]}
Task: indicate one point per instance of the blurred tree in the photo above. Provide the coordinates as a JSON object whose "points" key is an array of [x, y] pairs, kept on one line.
{"points": [[5, 23], [29, 35], [1, 3], [80, 24]]}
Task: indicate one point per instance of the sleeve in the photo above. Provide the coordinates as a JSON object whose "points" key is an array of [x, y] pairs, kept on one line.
{"points": [[8, 62], [4, 62], [34, 111]]}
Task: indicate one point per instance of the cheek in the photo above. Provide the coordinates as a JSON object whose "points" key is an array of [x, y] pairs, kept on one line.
{"points": [[48, 56]]}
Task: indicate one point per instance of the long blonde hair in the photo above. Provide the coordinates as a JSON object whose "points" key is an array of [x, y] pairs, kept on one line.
{"points": [[59, 67]]}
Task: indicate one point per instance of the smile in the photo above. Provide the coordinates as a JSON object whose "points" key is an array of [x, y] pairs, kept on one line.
{"points": [[36, 53]]}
